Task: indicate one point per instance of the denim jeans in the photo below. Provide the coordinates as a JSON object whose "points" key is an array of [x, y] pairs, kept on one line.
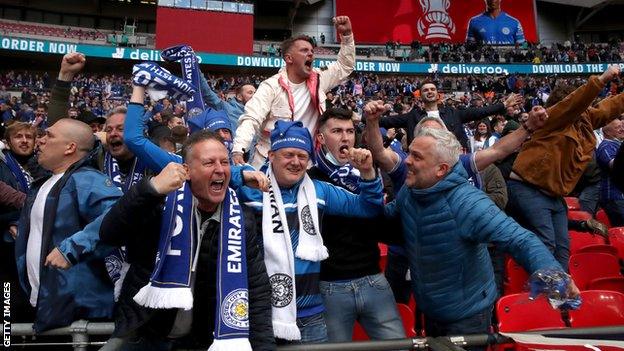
{"points": [[588, 198], [368, 300], [476, 324], [313, 331], [615, 211], [544, 215]]}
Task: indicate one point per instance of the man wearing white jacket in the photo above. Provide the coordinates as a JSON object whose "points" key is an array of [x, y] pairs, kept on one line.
{"points": [[295, 93]]}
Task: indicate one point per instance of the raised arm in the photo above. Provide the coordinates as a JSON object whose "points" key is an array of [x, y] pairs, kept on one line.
{"points": [[71, 64], [368, 203], [344, 65], [572, 106], [210, 97], [154, 157], [386, 158], [478, 113], [511, 142]]}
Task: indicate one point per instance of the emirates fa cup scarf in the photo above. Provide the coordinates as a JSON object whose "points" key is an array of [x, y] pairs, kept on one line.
{"points": [[170, 283], [190, 72]]}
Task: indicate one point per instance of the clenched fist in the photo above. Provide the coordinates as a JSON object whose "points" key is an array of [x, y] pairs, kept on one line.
{"points": [[172, 177]]}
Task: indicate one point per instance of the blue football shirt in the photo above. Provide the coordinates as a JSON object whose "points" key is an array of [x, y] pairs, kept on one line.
{"points": [[502, 30]]}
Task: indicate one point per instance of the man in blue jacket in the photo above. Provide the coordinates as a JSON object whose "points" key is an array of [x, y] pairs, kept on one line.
{"points": [[446, 225], [60, 262]]}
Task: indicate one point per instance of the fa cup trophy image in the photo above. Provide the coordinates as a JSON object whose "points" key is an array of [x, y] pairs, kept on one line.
{"points": [[435, 22]]}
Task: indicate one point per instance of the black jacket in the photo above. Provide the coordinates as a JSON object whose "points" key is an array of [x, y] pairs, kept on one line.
{"points": [[452, 117], [352, 244], [135, 222]]}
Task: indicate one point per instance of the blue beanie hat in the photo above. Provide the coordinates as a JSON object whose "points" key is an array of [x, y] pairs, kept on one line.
{"points": [[210, 119], [291, 134]]}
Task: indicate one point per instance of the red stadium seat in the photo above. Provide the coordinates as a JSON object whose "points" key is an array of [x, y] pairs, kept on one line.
{"points": [[579, 240], [616, 239], [608, 249], [601, 216], [573, 203], [600, 308], [517, 313], [358, 333], [407, 316], [383, 256], [579, 215], [608, 283], [515, 278], [585, 267]]}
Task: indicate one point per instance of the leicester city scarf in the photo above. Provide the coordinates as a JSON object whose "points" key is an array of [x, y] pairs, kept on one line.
{"points": [[116, 264], [23, 178], [170, 283], [190, 72], [159, 82], [345, 176], [111, 168]]}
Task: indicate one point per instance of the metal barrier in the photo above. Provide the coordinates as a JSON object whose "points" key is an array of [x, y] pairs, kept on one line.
{"points": [[81, 330]]}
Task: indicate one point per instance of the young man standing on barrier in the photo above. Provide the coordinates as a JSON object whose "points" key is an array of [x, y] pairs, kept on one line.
{"points": [[296, 93]]}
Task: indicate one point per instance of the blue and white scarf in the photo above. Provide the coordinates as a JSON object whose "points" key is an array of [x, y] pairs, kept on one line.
{"points": [[111, 168], [116, 264], [345, 176], [170, 283], [190, 72], [23, 178]]}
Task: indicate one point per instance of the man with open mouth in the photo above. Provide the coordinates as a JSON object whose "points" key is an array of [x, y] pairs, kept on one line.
{"points": [[296, 93]]}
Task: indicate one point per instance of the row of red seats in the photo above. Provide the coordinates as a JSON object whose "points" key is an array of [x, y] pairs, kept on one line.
{"points": [[41, 29]]}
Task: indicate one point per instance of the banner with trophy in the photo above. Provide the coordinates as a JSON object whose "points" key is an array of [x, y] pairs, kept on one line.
{"points": [[430, 21]]}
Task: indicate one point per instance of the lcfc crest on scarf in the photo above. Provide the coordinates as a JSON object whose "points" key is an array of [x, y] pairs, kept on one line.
{"points": [[281, 289], [306, 219], [235, 309]]}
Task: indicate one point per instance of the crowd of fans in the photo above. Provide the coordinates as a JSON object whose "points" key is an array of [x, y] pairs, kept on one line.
{"points": [[567, 52], [240, 236]]}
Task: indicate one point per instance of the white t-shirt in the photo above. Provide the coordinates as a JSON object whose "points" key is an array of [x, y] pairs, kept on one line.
{"points": [[435, 113], [304, 108], [33, 247]]}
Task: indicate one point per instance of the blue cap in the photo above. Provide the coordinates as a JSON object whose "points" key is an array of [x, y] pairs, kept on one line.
{"points": [[291, 134], [210, 119]]}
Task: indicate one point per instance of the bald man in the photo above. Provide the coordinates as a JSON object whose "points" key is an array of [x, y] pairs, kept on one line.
{"points": [[59, 259]]}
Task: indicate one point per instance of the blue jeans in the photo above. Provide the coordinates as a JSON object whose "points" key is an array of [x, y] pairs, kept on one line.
{"points": [[615, 211], [588, 198], [476, 324], [368, 300], [544, 215], [313, 331]]}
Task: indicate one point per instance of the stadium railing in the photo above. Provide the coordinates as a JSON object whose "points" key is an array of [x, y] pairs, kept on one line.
{"points": [[81, 330]]}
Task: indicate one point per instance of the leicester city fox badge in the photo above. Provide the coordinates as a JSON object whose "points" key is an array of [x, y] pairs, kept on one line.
{"points": [[235, 309]]}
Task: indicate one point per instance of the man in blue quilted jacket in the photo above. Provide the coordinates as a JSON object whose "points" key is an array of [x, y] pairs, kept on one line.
{"points": [[60, 260], [447, 224]]}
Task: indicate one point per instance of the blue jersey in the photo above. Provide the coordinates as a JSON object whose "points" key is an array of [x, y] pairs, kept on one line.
{"points": [[502, 30], [604, 155]]}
